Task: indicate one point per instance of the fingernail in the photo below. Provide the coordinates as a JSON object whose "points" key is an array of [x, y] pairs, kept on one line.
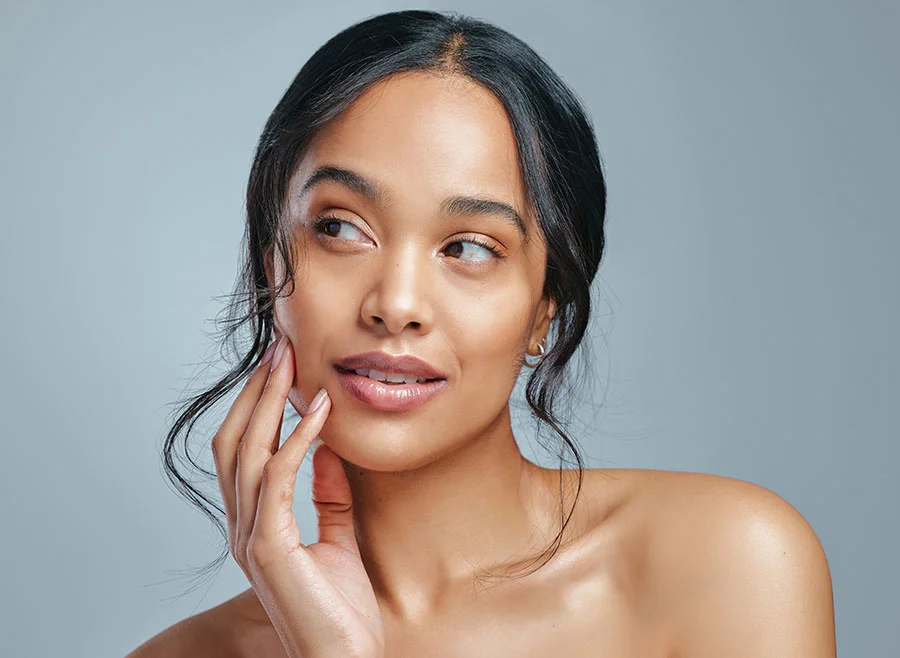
{"points": [[268, 355], [279, 351], [318, 400]]}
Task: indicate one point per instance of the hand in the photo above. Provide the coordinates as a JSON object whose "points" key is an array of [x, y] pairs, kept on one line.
{"points": [[319, 597]]}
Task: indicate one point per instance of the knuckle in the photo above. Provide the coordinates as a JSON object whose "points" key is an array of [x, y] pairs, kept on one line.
{"points": [[239, 556], [244, 448], [271, 470], [215, 446], [275, 474], [259, 552]]}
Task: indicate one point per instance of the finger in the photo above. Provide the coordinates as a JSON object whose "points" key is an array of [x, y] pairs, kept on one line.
{"points": [[260, 441], [333, 500], [225, 442], [276, 496]]}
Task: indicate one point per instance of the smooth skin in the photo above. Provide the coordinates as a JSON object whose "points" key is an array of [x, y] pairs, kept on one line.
{"points": [[653, 563]]}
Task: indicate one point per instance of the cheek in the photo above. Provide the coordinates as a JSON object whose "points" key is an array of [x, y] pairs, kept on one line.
{"points": [[312, 319], [321, 302], [489, 335]]}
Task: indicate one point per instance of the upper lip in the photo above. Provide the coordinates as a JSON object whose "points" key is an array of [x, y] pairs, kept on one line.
{"points": [[384, 362]]}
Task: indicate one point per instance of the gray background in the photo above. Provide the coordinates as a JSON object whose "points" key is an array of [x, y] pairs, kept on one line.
{"points": [[748, 295]]}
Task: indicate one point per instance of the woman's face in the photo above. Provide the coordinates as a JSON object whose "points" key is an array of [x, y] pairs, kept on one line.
{"points": [[398, 274]]}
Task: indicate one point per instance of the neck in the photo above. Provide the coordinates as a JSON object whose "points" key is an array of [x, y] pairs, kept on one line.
{"points": [[426, 534]]}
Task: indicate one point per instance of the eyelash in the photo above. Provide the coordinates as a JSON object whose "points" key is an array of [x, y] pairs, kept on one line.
{"points": [[325, 219]]}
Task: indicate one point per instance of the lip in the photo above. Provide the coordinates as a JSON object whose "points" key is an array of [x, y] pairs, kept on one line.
{"points": [[404, 363], [388, 397]]}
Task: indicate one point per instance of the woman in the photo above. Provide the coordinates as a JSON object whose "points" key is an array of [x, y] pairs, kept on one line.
{"points": [[425, 211]]}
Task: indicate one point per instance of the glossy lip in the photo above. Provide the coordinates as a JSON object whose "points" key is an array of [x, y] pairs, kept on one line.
{"points": [[404, 363], [389, 397]]}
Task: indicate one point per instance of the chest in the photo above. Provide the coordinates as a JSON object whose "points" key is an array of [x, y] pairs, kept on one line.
{"points": [[576, 626], [577, 638], [608, 633]]}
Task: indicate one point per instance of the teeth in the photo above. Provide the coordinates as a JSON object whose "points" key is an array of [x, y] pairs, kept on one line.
{"points": [[390, 378]]}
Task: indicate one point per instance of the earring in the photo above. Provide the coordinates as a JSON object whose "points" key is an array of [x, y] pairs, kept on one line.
{"points": [[535, 364]]}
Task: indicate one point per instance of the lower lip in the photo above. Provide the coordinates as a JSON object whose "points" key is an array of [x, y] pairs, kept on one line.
{"points": [[389, 397]]}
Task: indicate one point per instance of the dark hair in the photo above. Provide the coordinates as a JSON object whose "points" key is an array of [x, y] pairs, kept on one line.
{"points": [[558, 158]]}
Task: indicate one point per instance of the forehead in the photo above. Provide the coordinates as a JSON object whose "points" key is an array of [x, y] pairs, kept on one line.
{"points": [[423, 137]]}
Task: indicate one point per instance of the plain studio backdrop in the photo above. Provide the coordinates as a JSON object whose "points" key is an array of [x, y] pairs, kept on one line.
{"points": [[748, 313]]}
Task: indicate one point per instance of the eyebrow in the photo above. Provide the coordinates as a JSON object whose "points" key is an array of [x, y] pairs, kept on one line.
{"points": [[453, 205]]}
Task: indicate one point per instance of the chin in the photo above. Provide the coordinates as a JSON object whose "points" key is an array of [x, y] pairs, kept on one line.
{"points": [[382, 445]]}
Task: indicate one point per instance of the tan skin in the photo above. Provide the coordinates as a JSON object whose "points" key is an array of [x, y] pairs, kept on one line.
{"points": [[653, 563]]}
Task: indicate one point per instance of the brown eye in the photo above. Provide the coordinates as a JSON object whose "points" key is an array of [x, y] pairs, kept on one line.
{"points": [[457, 250], [331, 227]]}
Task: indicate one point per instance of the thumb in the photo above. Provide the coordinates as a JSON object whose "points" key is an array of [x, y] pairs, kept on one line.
{"points": [[333, 500]]}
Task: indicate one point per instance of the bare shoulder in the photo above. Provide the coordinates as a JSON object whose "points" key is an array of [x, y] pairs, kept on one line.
{"points": [[727, 559], [703, 522], [208, 634]]}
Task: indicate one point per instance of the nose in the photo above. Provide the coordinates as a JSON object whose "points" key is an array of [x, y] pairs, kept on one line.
{"points": [[398, 296]]}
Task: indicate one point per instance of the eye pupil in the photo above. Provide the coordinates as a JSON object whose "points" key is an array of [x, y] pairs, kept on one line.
{"points": [[333, 223], [455, 248]]}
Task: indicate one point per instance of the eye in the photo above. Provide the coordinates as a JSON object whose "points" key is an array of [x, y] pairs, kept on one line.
{"points": [[480, 249], [331, 227]]}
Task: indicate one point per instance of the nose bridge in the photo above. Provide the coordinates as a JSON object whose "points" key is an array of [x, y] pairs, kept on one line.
{"points": [[399, 292]]}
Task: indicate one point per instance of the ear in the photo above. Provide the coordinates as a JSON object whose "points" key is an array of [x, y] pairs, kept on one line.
{"points": [[546, 310]]}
